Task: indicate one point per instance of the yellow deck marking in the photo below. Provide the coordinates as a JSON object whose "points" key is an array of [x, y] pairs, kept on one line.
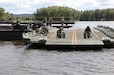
{"points": [[74, 40], [52, 36], [96, 35], [73, 37]]}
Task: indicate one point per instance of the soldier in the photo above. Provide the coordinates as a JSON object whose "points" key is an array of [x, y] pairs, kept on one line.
{"points": [[62, 34], [59, 33], [18, 23], [87, 32]]}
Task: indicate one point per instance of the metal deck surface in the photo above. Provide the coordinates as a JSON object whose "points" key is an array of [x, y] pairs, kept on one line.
{"points": [[73, 37], [73, 40]]}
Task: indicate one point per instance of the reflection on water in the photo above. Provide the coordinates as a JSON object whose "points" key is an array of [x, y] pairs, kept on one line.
{"points": [[15, 59]]}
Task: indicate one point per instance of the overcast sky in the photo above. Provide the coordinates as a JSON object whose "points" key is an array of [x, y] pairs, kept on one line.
{"points": [[30, 6]]}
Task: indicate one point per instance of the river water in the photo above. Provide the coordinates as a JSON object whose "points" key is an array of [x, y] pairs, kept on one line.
{"points": [[15, 59]]}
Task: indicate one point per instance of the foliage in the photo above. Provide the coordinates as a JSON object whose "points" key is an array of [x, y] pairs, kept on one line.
{"points": [[56, 11], [87, 15], [1, 13], [5, 16], [97, 15], [61, 11], [24, 18]]}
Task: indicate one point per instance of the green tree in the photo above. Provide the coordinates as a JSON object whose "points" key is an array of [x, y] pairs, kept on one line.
{"points": [[1, 13], [56, 11]]}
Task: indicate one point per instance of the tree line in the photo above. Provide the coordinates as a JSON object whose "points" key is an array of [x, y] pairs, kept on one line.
{"points": [[56, 11], [4, 16], [97, 15], [62, 11], [87, 15]]}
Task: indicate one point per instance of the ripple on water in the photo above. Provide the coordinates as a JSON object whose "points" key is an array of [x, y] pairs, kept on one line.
{"points": [[16, 60]]}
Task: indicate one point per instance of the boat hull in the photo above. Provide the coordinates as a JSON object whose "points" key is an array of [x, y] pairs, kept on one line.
{"points": [[11, 35]]}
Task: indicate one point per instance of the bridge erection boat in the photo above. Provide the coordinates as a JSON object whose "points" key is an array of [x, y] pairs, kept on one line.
{"points": [[12, 31]]}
